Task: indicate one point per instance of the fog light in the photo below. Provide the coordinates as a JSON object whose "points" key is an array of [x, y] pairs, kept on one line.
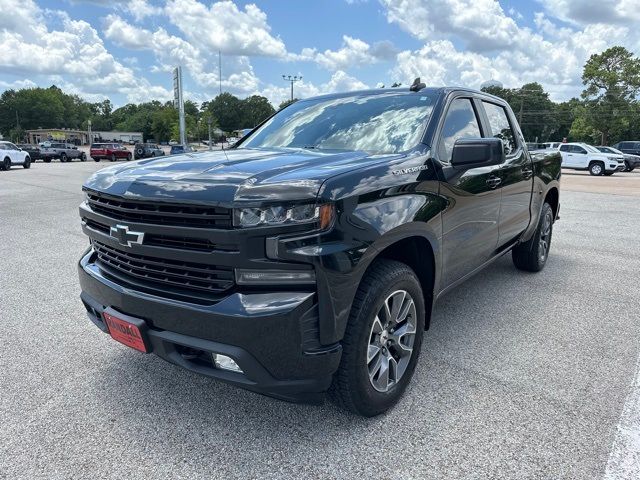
{"points": [[225, 363], [275, 277]]}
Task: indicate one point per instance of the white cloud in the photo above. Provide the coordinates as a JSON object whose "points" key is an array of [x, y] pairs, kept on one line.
{"points": [[494, 46], [170, 51], [590, 11], [354, 53], [223, 26], [75, 50]]}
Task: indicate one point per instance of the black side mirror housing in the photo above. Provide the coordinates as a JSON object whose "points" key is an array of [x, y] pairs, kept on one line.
{"points": [[477, 152]]}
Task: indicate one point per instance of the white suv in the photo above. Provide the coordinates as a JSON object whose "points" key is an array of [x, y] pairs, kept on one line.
{"points": [[581, 156], [12, 155]]}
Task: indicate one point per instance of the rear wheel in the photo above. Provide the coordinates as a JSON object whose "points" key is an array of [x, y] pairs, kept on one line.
{"points": [[83, 157], [63, 157], [532, 256], [382, 340], [27, 162], [6, 164], [128, 157], [596, 168], [113, 157]]}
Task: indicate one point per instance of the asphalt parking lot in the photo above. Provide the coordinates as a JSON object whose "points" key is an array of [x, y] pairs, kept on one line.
{"points": [[521, 375]]}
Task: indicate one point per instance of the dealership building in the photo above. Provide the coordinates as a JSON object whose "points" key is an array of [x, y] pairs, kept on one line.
{"points": [[80, 137]]}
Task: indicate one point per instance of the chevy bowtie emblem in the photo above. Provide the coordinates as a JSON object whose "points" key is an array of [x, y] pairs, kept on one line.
{"points": [[125, 237]]}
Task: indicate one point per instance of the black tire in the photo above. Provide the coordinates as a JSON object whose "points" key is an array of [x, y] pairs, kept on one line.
{"points": [[6, 164], [113, 157], [63, 158], [128, 157], [96, 159], [532, 255], [46, 160], [353, 387], [140, 152], [83, 157], [608, 174], [27, 162], [596, 168]]}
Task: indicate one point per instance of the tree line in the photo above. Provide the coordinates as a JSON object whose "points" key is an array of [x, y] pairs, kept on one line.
{"points": [[607, 111], [32, 108]]}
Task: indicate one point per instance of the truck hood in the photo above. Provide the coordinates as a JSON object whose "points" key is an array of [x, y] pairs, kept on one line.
{"points": [[231, 176]]}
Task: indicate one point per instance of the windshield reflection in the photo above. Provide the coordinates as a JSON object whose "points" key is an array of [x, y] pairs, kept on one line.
{"points": [[377, 124]]}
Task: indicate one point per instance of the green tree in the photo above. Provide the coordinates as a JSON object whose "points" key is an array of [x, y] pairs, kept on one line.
{"points": [[534, 109], [163, 123], [255, 109], [286, 103], [227, 109], [612, 83]]}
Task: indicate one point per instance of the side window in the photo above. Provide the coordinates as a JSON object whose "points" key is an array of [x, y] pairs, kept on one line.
{"points": [[577, 149], [461, 122], [564, 148], [500, 126]]}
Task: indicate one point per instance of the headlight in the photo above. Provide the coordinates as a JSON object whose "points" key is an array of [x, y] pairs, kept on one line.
{"points": [[321, 215]]}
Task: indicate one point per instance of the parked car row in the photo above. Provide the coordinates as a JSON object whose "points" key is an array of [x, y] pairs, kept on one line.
{"points": [[600, 160]]}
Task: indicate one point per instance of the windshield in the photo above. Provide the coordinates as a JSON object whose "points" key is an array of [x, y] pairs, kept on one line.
{"points": [[377, 124], [589, 148]]}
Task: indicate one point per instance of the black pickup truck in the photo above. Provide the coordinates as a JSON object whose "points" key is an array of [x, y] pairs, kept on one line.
{"points": [[308, 258]]}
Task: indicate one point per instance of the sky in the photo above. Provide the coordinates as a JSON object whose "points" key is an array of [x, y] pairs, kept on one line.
{"points": [[125, 50]]}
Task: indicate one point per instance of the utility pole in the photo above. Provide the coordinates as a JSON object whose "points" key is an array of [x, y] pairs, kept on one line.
{"points": [[292, 80], [210, 121], [89, 131], [220, 70], [179, 102]]}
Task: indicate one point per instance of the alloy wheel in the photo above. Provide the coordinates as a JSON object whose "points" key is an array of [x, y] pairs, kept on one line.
{"points": [[545, 236], [391, 340]]}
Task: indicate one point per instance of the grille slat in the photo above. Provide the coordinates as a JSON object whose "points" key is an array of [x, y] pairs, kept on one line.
{"points": [[194, 216], [185, 275], [168, 241]]}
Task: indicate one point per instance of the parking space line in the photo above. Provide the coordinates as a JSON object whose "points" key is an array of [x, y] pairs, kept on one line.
{"points": [[624, 457]]}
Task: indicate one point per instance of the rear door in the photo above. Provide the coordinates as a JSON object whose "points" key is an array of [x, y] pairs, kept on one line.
{"points": [[470, 223], [516, 173]]}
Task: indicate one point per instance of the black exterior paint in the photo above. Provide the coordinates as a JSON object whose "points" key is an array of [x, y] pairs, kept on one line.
{"points": [[292, 335]]}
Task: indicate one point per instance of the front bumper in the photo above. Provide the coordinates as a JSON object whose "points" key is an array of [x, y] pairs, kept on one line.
{"points": [[272, 336]]}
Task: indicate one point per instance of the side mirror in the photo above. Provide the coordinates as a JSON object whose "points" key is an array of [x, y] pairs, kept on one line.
{"points": [[477, 152]]}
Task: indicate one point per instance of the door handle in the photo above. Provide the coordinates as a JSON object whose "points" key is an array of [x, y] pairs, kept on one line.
{"points": [[527, 173], [493, 182]]}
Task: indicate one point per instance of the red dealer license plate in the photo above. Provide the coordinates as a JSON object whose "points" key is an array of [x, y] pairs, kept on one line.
{"points": [[127, 332]]}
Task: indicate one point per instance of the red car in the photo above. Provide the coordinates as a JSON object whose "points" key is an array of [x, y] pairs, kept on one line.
{"points": [[109, 151]]}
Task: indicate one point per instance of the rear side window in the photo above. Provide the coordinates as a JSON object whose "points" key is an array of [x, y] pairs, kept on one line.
{"points": [[461, 122], [564, 148], [500, 126], [577, 149]]}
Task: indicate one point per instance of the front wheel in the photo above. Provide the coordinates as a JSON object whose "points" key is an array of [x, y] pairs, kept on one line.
{"points": [[113, 157], [382, 340], [63, 158], [83, 157], [532, 255], [128, 157], [27, 162], [6, 164], [596, 168]]}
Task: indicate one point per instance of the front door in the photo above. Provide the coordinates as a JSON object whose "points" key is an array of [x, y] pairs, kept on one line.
{"points": [[470, 221]]}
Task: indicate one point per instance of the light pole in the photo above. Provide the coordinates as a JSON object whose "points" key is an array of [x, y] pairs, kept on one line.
{"points": [[292, 80]]}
